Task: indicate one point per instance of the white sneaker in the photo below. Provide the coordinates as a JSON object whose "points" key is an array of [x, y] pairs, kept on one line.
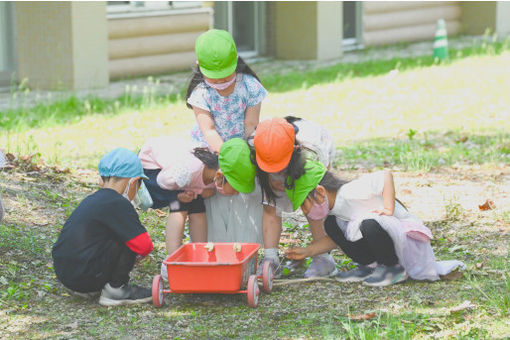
{"points": [[164, 272], [124, 295], [321, 265]]}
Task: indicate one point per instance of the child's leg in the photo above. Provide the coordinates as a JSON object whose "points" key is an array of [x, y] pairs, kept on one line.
{"points": [[198, 227], [175, 230], [380, 243], [359, 251], [271, 227]]}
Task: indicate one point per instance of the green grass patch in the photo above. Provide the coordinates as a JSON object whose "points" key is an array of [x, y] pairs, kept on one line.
{"points": [[426, 151], [73, 109]]}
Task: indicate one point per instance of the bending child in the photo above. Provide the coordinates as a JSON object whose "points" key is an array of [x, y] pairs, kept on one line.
{"points": [[282, 147], [101, 240], [369, 225], [181, 178]]}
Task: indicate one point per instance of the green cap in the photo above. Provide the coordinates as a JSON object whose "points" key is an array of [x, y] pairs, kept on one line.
{"points": [[236, 165], [216, 54], [314, 172]]}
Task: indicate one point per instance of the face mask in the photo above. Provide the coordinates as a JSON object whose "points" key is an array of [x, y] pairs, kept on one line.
{"points": [[221, 86], [319, 211], [126, 192], [143, 198]]}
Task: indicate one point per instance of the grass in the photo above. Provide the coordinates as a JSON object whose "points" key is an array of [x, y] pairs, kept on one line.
{"points": [[443, 128], [416, 116]]}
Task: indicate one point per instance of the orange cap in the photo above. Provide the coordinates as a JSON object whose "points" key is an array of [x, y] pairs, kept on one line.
{"points": [[274, 144]]}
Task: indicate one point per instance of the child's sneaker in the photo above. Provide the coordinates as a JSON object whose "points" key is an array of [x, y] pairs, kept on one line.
{"points": [[355, 275], [164, 272], [386, 275], [321, 265], [124, 295], [277, 268]]}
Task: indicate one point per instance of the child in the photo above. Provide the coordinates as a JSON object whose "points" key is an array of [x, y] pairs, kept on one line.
{"points": [[101, 240], [282, 146], [369, 225], [226, 95], [181, 177]]}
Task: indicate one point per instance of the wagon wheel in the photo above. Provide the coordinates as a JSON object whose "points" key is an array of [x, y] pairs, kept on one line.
{"points": [[157, 291], [253, 291], [267, 277]]}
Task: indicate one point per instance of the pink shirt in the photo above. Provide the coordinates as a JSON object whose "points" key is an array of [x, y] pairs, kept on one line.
{"points": [[180, 169]]}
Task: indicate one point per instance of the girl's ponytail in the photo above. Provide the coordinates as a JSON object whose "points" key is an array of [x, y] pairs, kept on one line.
{"points": [[210, 159]]}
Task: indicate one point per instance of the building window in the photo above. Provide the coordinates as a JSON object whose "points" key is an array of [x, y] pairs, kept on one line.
{"points": [[119, 7], [352, 24]]}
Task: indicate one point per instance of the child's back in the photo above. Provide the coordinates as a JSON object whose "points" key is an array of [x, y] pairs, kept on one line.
{"points": [[100, 220], [101, 240]]}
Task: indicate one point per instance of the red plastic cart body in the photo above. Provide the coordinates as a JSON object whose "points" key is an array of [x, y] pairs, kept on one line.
{"points": [[194, 269], [224, 269]]}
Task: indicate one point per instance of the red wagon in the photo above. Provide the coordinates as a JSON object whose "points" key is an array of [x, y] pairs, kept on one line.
{"points": [[227, 268]]}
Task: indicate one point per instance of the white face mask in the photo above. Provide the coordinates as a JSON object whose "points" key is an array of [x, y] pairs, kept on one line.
{"points": [[221, 86], [126, 191]]}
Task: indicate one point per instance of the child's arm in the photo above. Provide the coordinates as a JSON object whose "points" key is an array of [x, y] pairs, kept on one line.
{"points": [[141, 244], [251, 119], [206, 124], [320, 246], [388, 195]]}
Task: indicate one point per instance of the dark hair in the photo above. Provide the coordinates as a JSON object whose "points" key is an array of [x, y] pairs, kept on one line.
{"points": [[210, 159], [198, 77], [330, 182], [292, 119]]}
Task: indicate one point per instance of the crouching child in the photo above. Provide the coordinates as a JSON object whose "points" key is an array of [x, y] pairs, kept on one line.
{"points": [[103, 238]]}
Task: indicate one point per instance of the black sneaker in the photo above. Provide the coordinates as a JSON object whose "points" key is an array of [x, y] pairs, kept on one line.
{"points": [[385, 276], [124, 295], [355, 275]]}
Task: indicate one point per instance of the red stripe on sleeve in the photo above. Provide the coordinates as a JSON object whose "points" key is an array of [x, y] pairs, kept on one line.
{"points": [[141, 244]]}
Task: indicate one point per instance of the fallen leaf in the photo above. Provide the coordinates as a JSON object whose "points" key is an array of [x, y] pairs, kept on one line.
{"points": [[10, 157], [488, 205], [452, 276], [463, 306], [160, 213], [361, 317]]}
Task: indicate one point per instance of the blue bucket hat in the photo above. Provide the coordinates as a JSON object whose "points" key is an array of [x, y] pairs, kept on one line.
{"points": [[121, 163]]}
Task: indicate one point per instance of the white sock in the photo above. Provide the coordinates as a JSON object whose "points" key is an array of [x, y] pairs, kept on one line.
{"points": [[271, 253]]}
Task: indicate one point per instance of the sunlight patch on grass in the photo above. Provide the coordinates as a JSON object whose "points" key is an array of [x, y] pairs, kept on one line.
{"points": [[470, 95]]}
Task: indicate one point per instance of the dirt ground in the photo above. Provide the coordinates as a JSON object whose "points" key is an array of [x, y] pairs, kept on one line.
{"points": [[35, 304]]}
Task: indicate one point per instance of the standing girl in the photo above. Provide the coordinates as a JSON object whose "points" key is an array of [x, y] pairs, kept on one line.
{"points": [[370, 226], [226, 96]]}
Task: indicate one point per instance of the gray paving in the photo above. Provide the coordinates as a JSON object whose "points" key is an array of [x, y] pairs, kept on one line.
{"points": [[18, 96]]}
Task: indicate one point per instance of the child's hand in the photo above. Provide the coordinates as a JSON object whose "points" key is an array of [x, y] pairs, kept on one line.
{"points": [[297, 253], [384, 211], [186, 196], [208, 192]]}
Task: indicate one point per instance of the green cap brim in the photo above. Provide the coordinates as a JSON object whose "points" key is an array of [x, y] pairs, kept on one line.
{"points": [[314, 172], [218, 74]]}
